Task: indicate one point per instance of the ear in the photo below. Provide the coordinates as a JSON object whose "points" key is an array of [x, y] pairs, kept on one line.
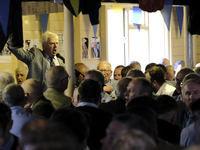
{"points": [[174, 72], [155, 83]]}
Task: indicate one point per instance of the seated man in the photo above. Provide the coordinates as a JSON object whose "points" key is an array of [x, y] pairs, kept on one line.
{"points": [[13, 96], [179, 78], [36, 102], [138, 87], [57, 82], [190, 93], [105, 68], [7, 140], [21, 74], [188, 133], [98, 77], [5, 79], [135, 64], [117, 106], [90, 98], [156, 76], [117, 72]]}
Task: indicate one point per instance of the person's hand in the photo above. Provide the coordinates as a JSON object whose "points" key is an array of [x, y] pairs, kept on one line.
{"points": [[108, 89], [28, 109]]}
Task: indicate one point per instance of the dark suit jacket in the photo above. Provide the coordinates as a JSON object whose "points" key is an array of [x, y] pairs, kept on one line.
{"points": [[168, 132], [114, 106], [57, 98], [182, 117], [98, 53], [99, 122], [36, 61], [43, 107]]}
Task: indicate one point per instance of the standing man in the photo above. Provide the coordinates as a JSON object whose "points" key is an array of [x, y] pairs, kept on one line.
{"points": [[39, 61], [105, 68]]}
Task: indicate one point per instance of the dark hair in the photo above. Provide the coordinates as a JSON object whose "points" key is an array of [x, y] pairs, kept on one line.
{"points": [[145, 86], [125, 70], [166, 104], [136, 72], [5, 118], [163, 67], [89, 91], [74, 120], [157, 74], [149, 66], [98, 76], [119, 66]]}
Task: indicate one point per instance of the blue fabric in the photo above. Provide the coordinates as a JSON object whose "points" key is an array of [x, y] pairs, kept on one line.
{"points": [[190, 120], [187, 136], [113, 83], [19, 117]]}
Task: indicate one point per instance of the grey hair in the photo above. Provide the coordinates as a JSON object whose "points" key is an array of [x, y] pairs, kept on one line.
{"points": [[48, 34], [5, 79], [13, 95], [136, 72], [22, 68]]}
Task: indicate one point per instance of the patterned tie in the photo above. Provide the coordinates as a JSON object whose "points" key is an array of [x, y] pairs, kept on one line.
{"points": [[52, 62], [190, 120]]}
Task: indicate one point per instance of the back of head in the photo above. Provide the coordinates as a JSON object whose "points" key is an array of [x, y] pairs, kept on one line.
{"points": [[164, 61], [185, 70], [166, 104], [122, 87], [145, 86], [134, 140], [157, 74], [5, 118], [33, 87], [13, 95], [54, 75], [96, 74], [197, 70], [149, 66], [48, 34], [125, 70], [74, 120], [135, 64], [163, 67], [89, 91], [191, 76], [144, 100], [135, 73], [5, 79], [133, 121], [38, 132]]}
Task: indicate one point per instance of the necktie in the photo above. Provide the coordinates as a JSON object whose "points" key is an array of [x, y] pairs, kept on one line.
{"points": [[52, 62], [190, 120]]}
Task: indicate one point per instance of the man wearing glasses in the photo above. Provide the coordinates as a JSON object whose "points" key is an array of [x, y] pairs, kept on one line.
{"points": [[57, 82], [39, 61], [179, 78], [105, 68]]}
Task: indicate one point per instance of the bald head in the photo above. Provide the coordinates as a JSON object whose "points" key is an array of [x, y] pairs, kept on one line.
{"points": [[170, 75], [33, 88], [105, 68], [165, 61], [83, 69]]}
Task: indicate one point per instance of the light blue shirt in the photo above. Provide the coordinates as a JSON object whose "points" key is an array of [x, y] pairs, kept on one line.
{"points": [[87, 104], [19, 117], [187, 136]]}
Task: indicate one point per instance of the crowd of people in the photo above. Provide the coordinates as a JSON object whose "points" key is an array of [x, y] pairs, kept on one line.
{"points": [[158, 109]]}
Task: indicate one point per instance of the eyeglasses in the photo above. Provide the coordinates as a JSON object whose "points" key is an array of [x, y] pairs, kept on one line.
{"points": [[69, 77], [106, 71]]}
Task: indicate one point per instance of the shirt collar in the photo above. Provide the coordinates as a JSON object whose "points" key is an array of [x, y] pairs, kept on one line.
{"points": [[87, 104]]}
